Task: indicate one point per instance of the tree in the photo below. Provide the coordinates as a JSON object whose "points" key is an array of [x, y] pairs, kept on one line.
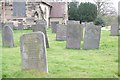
{"points": [[87, 12], [105, 7], [99, 21], [73, 10]]}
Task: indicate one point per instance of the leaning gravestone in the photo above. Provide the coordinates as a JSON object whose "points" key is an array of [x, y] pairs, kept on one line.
{"points": [[7, 37], [54, 26], [61, 32], [114, 29], [41, 26], [92, 36], [33, 52], [73, 37]]}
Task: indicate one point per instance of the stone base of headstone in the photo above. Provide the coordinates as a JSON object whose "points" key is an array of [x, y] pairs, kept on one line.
{"points": [[33, 52]]}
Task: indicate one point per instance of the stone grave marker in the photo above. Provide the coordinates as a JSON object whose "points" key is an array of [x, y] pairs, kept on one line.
{"points": [[20, 26], [61, 32], [7, 37], [73, 38], [33, 52], [29, 21], [54, 26], [41, 26], [10, 24], [114, 29], [0, 25], [92, 36]]}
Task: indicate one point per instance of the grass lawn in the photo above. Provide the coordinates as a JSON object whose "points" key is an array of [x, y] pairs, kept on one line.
{"points": [[65, 63]]}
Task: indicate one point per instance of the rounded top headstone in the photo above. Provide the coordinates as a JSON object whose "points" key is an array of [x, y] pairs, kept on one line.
{"points": [[41, 22], [73, 22]]}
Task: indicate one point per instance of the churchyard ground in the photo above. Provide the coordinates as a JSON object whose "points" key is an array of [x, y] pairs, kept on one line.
{"points": [[65, 63]]}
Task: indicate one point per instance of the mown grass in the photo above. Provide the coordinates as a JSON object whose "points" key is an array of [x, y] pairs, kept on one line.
{"points": [[66, 63]]}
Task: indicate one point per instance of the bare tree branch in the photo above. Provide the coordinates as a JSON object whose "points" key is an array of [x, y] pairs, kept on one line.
{"points": [[105, 7]]}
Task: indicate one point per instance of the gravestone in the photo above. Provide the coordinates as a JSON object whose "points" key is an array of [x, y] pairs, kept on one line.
{"points": [[10, 24], [54, 26], [19, 8], [84, 24], [82, 28], [33, 52], [29, 21], [0, 25], [20, 26], [73, 38], [114, 29], [92, 36], [7, 37], [41, 26], [61, 32]]}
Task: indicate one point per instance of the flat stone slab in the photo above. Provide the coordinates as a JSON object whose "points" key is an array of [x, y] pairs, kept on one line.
{"points": [[92, 36], [61, 32], [33, 52]]}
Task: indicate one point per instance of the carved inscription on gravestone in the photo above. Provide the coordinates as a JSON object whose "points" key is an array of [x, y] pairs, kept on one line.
{"points": [[33, 52]]}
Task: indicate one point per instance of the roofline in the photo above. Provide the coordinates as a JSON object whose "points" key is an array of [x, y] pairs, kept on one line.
{"points": [[46, 3]]}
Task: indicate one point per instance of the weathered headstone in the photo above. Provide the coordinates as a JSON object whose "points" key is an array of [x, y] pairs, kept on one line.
{"points": [[20, 26], [33, 52], [61, 32], [92, 36], [10, 24], [7, 37], [83, 24], [54, 26], [81, 30], [41, 26], [114, 29], [0, 25], [73, 37], [29, 21]]}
